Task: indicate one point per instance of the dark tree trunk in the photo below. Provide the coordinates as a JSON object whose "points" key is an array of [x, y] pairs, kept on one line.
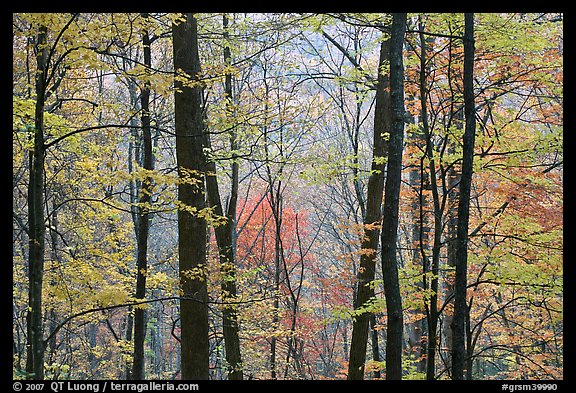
{"points": [[143, 222], [275, 198], [225, 239], [419, 230], [189, 128], [460, 304], [129, 331], [391, 203], [419, 236], [432, 305], [37, 229], [369, 246], [375, 346], [453, 181]]}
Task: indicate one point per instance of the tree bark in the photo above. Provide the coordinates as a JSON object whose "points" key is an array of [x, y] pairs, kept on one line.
{"points": [[275, 199], [225, 234], [453, 182], [129, 330], [419, 230], [192, 229], [431, 305], [143, 221], [389, 236], [460, 305], [369, 246], [375, 346], [37, 229]]}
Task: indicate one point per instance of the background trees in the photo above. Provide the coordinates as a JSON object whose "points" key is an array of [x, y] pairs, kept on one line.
{"points": [[280, 156]]}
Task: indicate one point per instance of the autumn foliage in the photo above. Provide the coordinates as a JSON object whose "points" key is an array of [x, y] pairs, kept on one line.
{"points": [[286, 106]]}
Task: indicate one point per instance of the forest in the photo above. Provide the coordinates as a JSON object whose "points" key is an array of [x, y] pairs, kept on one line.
{"points": [[287, 196]]}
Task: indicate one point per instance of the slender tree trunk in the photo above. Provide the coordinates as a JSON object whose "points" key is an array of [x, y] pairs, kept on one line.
{"points": [[143, 221], [391, 203], [460, 304], [192, 230], [55, 260], [134, 148], [276, 206], [225, 239], [419, 240], [469, 362], [375, 346], [453, 182], [432, 305], [37, 229], [274, 195], [129, 331], [294, 344], [369, 246]]}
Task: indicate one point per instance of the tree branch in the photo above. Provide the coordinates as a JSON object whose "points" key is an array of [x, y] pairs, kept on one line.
{"points": [[142, 302]]}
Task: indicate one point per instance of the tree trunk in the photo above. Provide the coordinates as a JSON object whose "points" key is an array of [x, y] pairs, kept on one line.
{"points": [[143, 221], [460, 306], [225, 239], [419, 240], [128, 335], [189, 128], [35, 361], [432, 305], [391, 203], [276, 207], [419, 231], [453, 182], [375, 346], [369, 246]]}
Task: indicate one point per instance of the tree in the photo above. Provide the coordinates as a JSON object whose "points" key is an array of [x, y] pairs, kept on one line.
{"points": [[143, 218], [460, 287], [435, 169], [226, 232], [36, 226], [389, 235], [365, 287], [189, 129]]}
